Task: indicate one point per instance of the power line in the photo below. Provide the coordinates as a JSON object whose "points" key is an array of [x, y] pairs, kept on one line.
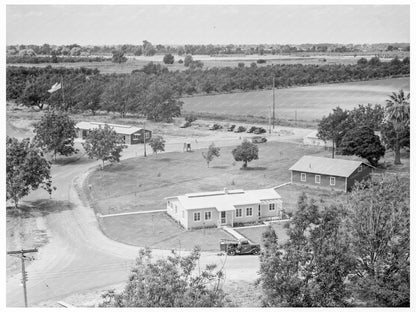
{"points": [[22, 255]]}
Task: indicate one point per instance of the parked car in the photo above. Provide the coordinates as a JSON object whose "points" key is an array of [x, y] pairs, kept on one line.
{"points": [[258, 139], [231, 128], [239, 247], [239, 129], [215, 127], [185, 125], [259, 130], [251, 129]]}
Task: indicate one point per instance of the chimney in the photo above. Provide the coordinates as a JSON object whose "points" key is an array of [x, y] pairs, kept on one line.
{"points": [[225, 190]]}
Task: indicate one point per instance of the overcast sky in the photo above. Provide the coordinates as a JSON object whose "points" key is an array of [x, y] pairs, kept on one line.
{"points": [[119, 24]]}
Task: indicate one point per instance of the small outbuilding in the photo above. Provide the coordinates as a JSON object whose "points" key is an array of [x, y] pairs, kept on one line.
{"points": [[329, 173], [312, 139], [128, 134], [224, 208]]}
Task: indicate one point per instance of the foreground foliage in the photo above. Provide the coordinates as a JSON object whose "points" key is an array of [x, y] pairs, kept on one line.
{"points": [[26, 169], [355, 253], [175, 281]]}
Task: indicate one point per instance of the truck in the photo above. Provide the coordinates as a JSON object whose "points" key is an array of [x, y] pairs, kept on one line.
{"points": [[239, 247]]}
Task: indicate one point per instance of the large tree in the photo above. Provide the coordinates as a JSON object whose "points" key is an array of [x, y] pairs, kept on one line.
{"points": [[364, 143], [312, 268], [89, 97], [26, 169], [175, 281], [118, 57], [36, 92], [157, 143], [379, 226], [333, 127], [168, 59], [212, 152], [55, 132], [398, 113], [246, 152], [103, 144]]}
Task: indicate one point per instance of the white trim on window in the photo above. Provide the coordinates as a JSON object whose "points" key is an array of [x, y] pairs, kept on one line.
{"points": [[317, 179], [303, 177], [249, 209], [332, 181], [197, 216], [207, 213], [239, 213]]}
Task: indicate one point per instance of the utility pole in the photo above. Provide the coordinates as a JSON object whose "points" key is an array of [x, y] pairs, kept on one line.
{"points": [[62, 88], [144, 138], [21, 254], [274, 117]]}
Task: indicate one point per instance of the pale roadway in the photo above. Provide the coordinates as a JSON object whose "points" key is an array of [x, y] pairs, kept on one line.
{"points": [[80, 257]]}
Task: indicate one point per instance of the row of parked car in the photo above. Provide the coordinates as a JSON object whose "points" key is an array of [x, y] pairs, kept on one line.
{"points": [[234, 128]]}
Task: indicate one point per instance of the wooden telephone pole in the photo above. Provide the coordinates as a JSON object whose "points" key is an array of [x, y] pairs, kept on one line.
{"points": [[21, 254], [274, 117]]}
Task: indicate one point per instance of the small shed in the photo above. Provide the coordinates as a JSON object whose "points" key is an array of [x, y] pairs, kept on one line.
{"points": [[329, 173], [128, 134]]}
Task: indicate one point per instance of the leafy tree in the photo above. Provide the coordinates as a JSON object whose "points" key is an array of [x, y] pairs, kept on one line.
{"points": [[103, 144], [157, 143], [366, 115], [406, 61], [118, 57], [168, 59], [398, 113], [362, 61], [171, 282], [374, 61], [148, 49], [55, 132], [364, 143], [188, 60], [89, 96], [190, 118], [388, 136], [246, 152], [211, 153], [312, 268], [333, 127], [35, 93], [379, 225], [196, 65], [26, 170]]}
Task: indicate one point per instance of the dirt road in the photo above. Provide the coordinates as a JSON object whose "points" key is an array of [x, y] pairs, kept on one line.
{"points": [[79, 257]]}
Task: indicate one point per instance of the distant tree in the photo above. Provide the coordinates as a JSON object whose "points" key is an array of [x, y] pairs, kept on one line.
{"points": [[118, 57], [212, 152], [396, 61], [148, 49], [55, 132], [366, 115], [389, 136], [190, 118], [138, 51], [89, 97], [312, 268], [157, 143], [374, 61], [362, 61], [180, 61], [364, 143], [241, 65], [170, 282], [261, 61], [103, 144], [26, 170], [333, 127], [398, 113], [168, 59], [196, 65], [36, 92], [406, 61], [246, 152], [188, 60], [379, 226]]}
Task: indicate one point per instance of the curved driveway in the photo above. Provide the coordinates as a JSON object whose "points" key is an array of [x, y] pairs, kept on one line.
{"points": [[80, 257]]}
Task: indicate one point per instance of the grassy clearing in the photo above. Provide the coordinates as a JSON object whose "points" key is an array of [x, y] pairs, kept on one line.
{"points": [[140, 184], [308, 103], [158, 230]]}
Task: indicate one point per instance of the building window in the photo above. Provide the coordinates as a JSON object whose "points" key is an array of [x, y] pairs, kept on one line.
{"points": [[271, 206], [197, 216], [207, 215], [249, 212], [332, 181], [147, 135], [238, 213], [136, 136], [303, 177], [317, 179]]}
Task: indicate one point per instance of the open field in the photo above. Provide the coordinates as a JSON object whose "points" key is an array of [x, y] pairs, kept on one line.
{"points": [[137, 62], [303, 103], [141, 184]]}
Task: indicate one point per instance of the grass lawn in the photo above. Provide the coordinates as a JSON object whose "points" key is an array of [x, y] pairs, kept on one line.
{"points": [[310, 102], [254, 233], [158, 230], [141, 184]]}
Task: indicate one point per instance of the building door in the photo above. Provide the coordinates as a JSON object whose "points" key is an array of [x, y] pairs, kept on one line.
{"points": [[223, 217]]}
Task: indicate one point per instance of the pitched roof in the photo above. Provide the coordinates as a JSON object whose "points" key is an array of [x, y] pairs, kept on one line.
{"points": [[327, 166], [121, 129], [227, 199]]}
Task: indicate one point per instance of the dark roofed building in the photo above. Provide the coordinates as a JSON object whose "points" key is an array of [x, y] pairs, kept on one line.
{"points": [[329, 173]]}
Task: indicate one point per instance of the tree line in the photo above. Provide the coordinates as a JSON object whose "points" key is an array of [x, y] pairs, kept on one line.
{"points": [[17, 59]]}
